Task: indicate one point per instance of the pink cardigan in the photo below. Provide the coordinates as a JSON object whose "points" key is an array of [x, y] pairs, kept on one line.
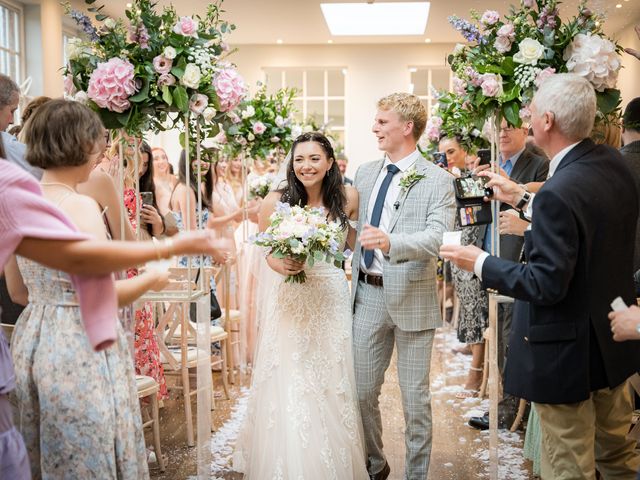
{"points": [[25, 213]]}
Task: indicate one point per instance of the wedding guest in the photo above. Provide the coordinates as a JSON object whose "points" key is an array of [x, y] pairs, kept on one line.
{"points": [[343, 161], [63, 436], [563, 356], [163, 179], [234, 176], [33, 227], [31, 107], [10, 148], [225, 215], [631, 153], [473, 317]]}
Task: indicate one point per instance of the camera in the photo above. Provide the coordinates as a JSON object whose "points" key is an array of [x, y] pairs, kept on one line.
{"points": [[471, 207], [147, 198], [440, 159], [485, 156]]}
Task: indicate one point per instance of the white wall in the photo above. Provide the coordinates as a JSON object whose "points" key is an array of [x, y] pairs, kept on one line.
{"points": [[628, 79], [373, 71]]}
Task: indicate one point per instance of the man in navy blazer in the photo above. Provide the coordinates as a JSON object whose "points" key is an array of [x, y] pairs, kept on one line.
{"points": [[562, 355]]}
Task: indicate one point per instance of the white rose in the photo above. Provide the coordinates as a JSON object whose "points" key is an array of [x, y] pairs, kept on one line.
{"points": [[530, 52], [110, 23], [191, 77], [75, 48], [296, 131], [459, 49], [209, 113], [249, 112], [81, 97], [251, 137], [170, 53]]}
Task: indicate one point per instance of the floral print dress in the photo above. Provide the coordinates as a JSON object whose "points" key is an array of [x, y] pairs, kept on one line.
{"points": [[146, 351]]}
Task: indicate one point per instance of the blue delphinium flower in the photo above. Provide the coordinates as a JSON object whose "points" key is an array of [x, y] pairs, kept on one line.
{"points": [[86, 25], [469, 31]]}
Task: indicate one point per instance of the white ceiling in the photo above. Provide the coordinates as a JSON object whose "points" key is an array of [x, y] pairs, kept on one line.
{"points": [[301, 21]]}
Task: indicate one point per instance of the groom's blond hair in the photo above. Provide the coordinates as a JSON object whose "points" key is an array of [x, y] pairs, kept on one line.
{"points": [[410, 109]]}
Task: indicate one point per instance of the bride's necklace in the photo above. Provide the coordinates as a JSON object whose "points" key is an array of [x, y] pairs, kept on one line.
{"points": [[60, 184]]}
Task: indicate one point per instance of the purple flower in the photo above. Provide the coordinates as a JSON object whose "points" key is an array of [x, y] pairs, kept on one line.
{"points": [[547, 18], [490, 17], [139, 34], [283, 208], [85, 23], [469, 31]]}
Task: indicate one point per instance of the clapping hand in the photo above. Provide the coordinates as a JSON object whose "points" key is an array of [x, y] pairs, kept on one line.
{"points": [[624, 324]]}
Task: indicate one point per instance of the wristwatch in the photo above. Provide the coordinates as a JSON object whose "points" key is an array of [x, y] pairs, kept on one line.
{"points": [[638, 328], [526, 196]]}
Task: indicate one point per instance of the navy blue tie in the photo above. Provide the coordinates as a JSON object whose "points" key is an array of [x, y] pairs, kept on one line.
{"points": [[378, 206]]}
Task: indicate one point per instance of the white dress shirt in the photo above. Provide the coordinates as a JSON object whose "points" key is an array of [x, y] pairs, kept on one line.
{"points": [[553, 165], [387, 210]]}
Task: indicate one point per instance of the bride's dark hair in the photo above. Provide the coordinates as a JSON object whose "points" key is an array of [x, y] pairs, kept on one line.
{"points": [[334, 197]]}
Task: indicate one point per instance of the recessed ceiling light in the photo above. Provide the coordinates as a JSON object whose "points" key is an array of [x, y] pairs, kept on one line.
{"points": [[619, 5], [344, 71], [427, 40], [383, 18], [413, 70], [128, 5], [279, 41], [329, 41]]}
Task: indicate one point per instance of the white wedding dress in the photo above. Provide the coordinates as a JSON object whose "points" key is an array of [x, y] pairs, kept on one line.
{"points": [[303, 421]]}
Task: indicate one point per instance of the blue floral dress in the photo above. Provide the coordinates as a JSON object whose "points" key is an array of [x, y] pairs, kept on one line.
{"points": [[78, 409]]}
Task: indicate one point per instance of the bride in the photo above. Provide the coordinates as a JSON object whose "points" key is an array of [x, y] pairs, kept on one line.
{"points": [[303, 421]]}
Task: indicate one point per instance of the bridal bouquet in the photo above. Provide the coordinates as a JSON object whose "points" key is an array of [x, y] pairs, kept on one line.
{"points": [[259, 187], [263, 123], [134, 71], [508, 57], [302, 233]]}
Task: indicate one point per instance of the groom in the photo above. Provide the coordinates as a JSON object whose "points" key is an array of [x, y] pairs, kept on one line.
{"points": [[406, 203]]}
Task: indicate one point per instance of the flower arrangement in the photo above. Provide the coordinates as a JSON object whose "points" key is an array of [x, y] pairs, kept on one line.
{"points": [[259, 187], [410, 178], [263, 123], [311, 125], [303, 233], [453, 116], [135, 71], [508, 58]]}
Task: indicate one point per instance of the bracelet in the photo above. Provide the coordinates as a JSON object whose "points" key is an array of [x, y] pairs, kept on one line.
{"points": [[169, 244], [155, 246]]}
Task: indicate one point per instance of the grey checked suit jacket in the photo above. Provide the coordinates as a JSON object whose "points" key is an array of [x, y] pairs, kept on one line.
{"points": [[426, 210]]}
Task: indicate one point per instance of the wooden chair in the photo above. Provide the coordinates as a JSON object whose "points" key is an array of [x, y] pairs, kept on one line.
{"points": [[231, 320], [148, 387], [522, 406]]}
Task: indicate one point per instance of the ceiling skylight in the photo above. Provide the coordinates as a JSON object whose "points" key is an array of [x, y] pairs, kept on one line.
{"points": [[385, 18]]}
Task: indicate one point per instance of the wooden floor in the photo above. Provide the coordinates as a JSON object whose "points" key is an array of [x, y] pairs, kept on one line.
{"points": [[459, 452]]}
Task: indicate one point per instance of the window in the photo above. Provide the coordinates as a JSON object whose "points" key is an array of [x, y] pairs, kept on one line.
{"points": [[320, 95], [425, 81], [11, 63]]}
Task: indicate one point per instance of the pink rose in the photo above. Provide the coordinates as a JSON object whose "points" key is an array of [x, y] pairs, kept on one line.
{"points": [[166, 79], [259, 128], [186, 26], [507, 30], [502, 44], [230, 88], [491, 85], [198, 103], [490, 17], [432, 129], [111, 84], [474, 77], [544, 75], [69, 87], [162, 64], [459, 86], [220, 138], [234, 117], [274, 139]]}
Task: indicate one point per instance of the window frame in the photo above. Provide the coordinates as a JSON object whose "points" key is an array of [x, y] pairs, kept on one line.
{"points": [[18, 9]]}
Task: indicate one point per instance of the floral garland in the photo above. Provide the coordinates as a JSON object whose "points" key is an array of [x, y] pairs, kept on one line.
{"points": [[507, 59], [453, 116], [263, 123], [311, 125], [135, 71]]}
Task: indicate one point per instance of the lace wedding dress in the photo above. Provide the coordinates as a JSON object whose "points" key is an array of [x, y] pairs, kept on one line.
{"points": [[303, 421]]}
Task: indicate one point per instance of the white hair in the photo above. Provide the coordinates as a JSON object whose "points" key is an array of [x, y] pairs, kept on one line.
{"points": [[572, 100]]}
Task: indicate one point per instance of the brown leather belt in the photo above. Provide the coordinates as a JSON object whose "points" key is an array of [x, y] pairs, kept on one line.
{"points": [[375, 280]]}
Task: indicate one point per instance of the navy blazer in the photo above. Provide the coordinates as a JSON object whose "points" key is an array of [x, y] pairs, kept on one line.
{"points": [[580, 257]]}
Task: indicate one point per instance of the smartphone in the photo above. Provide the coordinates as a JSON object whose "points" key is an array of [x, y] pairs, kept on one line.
{"points": [[485, 156], [147, 198], [440, 159], [472, 187], [476, 215]]}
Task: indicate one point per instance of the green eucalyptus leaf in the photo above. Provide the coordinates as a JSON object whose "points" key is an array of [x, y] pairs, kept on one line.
{"points": [[181, 98]]}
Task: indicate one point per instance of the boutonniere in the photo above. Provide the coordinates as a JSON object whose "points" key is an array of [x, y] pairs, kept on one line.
{"points": [[410, 178]]}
